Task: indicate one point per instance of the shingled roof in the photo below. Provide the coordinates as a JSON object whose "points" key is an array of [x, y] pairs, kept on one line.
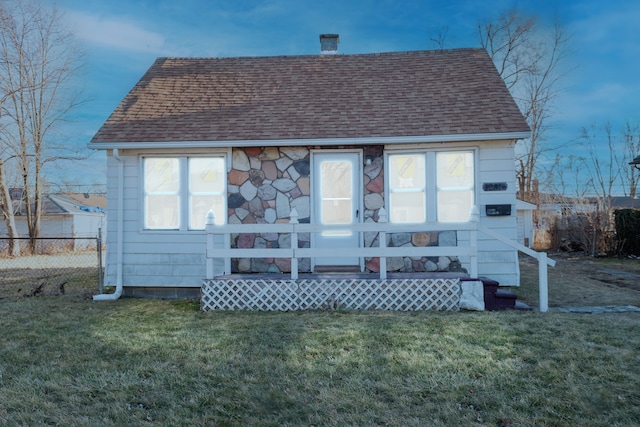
{"points": [[418, 93]]}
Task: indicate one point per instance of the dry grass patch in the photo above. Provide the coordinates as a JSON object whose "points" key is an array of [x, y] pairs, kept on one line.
{"points": [[579, 280], [67, 273], [67, 361]]}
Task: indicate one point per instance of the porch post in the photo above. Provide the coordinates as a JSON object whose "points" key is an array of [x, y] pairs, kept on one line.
{"points": [[293, 220], [209, 226], [543, 284], [227, 245], [382, 242], [474, 217]]}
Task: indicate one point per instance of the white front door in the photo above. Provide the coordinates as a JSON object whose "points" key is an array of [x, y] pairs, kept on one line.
{"points": [[336, 178]]}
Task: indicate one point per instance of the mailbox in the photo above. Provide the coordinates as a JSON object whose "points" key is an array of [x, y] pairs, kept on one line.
{"points": [[498, 210]]}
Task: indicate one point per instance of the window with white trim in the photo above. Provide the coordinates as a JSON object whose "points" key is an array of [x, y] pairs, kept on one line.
{"points": [[431, 186], [179, 191]]}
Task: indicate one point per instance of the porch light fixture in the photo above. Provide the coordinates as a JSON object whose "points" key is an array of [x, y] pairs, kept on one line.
{"points": [[635, 162]]}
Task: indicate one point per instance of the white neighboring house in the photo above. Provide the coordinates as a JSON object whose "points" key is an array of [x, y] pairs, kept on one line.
{"points": [[524, 217], [425, 134], [65, 215]]}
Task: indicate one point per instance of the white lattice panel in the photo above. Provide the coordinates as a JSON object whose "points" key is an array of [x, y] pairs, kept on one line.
{"points": [[313, 294]]}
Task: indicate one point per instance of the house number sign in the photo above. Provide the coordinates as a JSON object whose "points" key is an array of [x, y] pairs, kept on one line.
{"points": [[494, 186]]}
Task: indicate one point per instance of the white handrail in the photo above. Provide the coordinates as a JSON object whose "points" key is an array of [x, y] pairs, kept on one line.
{"points": [[543, 261]]}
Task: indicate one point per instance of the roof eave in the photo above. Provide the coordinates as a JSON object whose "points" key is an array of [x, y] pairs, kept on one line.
{"points": [[315, 141]]}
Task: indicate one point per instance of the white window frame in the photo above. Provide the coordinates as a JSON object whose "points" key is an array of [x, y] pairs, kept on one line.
{"points": [[184, 192], [431, 182]]}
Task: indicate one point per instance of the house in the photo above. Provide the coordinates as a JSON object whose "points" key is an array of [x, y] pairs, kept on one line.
{"points": [[524, 219], [423, 136], [64, 215], [558, 217], [568, 222]]}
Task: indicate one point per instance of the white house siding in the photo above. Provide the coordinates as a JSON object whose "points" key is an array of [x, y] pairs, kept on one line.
{"points": [[495, 259], [177, 258], [150, 258], [112, 220]]}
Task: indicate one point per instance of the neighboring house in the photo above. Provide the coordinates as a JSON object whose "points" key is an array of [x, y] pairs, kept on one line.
{"points": [[621, 202], [64, 215], [559, 216], [426, 135], [555, 205], [524, 216]]}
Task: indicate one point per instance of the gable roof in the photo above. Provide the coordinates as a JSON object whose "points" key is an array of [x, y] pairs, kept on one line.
{"points": [[88, 199], [66, 204], [384, 95]]}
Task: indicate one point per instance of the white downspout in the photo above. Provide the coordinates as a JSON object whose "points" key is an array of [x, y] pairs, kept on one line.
{"points": [[120, 234]]}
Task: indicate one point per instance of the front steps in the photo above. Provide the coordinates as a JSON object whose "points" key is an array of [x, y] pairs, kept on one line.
{"points": [[495, 299]]}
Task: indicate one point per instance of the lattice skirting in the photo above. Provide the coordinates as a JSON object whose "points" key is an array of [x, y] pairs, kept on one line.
{"points": [[313, 294]]}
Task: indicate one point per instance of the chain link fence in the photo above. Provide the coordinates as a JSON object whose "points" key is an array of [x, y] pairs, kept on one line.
{"points": [[51, 266]]}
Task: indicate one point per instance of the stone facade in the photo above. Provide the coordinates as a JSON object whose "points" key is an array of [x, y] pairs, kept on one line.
{"points": [[266, 183]]}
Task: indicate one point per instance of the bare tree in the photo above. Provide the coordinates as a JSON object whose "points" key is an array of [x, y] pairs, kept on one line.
{"points": [[564, 177], [601, 165], [529, 61], [38, 60], [593, 180], [6, 209], [508, 41], [439, 38], [631, 148]]}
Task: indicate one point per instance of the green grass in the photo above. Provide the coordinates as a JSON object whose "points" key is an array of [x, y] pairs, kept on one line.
{"points": [[69, 361]]}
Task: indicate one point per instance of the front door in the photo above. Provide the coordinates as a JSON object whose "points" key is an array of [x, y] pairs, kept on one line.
{"points": [[336, 178]]}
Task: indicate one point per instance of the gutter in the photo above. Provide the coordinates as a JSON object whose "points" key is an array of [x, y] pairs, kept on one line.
{"points": [[106, 145], [120, 234]]}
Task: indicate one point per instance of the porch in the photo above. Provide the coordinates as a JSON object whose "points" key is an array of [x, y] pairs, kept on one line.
{"points": [[380, 290]]}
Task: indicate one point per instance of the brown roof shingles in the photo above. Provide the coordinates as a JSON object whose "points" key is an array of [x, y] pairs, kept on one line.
{"points": [[419, 93]]}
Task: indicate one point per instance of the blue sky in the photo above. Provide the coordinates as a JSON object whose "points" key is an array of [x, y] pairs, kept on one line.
{"points": [[122, 38]]}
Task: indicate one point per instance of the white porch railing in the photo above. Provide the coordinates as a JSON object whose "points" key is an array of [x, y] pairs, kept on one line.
{"points": [[294, 253], [382, 251]]}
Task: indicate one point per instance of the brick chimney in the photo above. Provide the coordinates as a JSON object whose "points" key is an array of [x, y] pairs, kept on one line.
{"points": [[329, 43]]}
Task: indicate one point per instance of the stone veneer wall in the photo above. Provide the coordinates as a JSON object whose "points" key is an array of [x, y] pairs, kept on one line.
{"points": [[265, 183]]}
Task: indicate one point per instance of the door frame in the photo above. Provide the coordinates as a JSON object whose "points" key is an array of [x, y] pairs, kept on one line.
{"points": [[358, 191]]}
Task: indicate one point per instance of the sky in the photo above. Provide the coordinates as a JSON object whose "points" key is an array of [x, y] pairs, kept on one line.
{"points": [[122, 38]]}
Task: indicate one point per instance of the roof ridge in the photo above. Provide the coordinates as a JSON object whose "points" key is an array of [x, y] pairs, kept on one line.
{"points": [[319, 55]]}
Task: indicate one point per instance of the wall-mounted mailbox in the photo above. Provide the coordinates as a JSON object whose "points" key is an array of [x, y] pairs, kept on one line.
{"points": [[498, 210]]}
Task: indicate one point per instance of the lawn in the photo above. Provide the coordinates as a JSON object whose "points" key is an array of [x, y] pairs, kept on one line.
{"points": [[69, 361], [579, 280]]}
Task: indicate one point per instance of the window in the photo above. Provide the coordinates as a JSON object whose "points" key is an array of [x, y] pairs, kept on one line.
{"points": [[454, 185], [431, 186], [162, 193], [407, 193], [178, 192]]}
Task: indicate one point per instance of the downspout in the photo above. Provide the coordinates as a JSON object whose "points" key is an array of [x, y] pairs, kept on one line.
{"points": [[120, 234]]}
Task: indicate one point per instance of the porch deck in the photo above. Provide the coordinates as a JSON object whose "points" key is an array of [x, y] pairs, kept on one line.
{"points": [[345, 275]]}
